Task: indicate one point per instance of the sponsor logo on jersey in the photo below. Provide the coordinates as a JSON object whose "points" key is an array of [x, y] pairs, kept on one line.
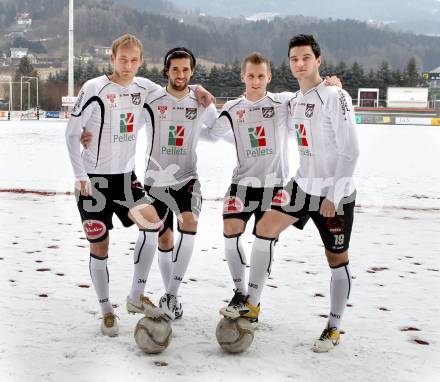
{"points": [[176, 137], [162, 111], [240, 115], [336, 224], [78, 103], [282, 198], [94, 229], [232, 205], [136, 98], [257, 138], [309, 110], [303, 142], [268, 112], [111, 99], [344, 105], [191, 113], [126, 122], [301, 134], [126, 128]]}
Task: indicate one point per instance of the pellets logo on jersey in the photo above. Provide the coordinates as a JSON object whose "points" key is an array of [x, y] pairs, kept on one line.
{"points": [[126, 123], [136, 98], [94, 229], [176, 135], [257, 136], [240, 115], [191, 113], [268, 112], [232, 205], [301, 134], [309, 110], [282, 198], [162, 111]]}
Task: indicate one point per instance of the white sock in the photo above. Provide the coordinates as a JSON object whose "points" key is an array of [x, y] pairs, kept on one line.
{"points": [[236, 262], [164, 259], [340, 287], [100, 280], [143, 257], [261, 263], [183, 249]]}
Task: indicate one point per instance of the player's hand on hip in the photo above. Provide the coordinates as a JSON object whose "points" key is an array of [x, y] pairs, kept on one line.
{"points": [[327, 209], [333, 81], [84, 187], [86, 138], [203, 96]]}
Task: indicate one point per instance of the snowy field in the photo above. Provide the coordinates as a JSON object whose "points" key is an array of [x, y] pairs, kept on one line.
{"points": [[49, 328]]}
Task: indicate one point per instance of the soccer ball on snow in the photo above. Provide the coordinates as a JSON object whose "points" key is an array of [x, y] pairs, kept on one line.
{"points": [[153, 335], [235, 336]]}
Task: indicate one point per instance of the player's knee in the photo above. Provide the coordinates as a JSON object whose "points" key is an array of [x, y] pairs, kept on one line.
{"points": [[336, 259], [188, 222], [166, 240], [265, 228], [147, 218], [100, 249], [231, 227]]}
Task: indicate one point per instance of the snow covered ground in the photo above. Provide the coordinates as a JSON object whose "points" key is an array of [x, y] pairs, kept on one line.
{"points": [[49, 328]]}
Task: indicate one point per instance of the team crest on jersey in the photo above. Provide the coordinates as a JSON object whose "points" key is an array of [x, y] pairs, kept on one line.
{"points": [[162, 111], [336, 224], [191, 113], [309, 110], [240, 115], [136, 98], [232, 205], [282, 198], [268, 112], [111, 99]]}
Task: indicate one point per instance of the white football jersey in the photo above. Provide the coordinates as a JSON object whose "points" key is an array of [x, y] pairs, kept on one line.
{"points": [[113, 114], [325, 126], [174, 130], [261, 138]]}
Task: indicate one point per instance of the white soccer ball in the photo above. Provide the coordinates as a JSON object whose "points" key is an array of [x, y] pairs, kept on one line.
{"points": [[235, 336], [153, 335]]}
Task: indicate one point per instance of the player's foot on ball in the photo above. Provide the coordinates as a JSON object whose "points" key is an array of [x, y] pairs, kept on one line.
{"points": [[239, 306], [109, 325], [171, 307], [143, 305], [327, 341]]}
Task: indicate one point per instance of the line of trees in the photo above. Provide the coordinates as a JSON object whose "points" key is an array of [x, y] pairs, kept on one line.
{"points": [[224, 81]]}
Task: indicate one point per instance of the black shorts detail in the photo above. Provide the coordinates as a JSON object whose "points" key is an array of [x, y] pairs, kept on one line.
{"points": [[111, 194], [335, 232], [241, 202], [174, 200]]}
